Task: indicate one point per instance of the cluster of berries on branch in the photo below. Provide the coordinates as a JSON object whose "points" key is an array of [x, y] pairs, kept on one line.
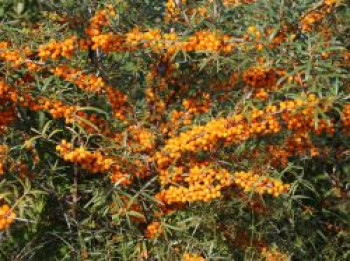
{"points": [[7, 216]]}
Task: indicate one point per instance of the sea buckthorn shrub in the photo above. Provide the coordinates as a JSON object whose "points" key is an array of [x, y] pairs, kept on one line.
{"points": [[174, 130]]}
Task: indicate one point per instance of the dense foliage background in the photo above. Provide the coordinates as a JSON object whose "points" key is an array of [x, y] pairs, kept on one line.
{"points": [[174, 130]]}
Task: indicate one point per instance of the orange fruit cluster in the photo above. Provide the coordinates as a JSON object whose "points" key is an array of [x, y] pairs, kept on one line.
{"points": [[203, 184], [154, 230], [13, 57], [119, 103], [120, 176], [277, 155], [261, 94], [6, 93], [316, 15], [256, 39], [94, 162], [97, 39], [7, 216], [3, 152], [99, 20], [299, 115], [345, 119], [170, 43], [207, 41], [192, 257], [173, 10], [197, 106], [108, 42], [54, 49], [172, 177], [144, 140], [153, 38], [200, 41], [298, 143], [56, 108], [259, 77], [86, 82], [71, 114], [251, 182], [10, 94], [16, 57], [232, 130], [4, 45]]}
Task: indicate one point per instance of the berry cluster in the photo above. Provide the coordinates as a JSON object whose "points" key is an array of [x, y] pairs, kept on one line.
{"points": [[203, 184], [345, 119], [15, 58], [232, 130], [207, 41], [154, 230], [143, 139], [108, 42], [299, 143], [94, 162], [56, 108], [153, 39], [198, 104], [71, 114], [258, 77], [251, 182], [122, 177], [86, 82], [299, 115], [54, 49], [119, 103], [310, 19], [100, 19], [7, 216], [173, 10], [6, 93]]}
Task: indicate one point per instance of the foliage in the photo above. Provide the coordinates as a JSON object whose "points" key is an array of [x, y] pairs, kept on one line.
{"points": [[174, 130]]}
